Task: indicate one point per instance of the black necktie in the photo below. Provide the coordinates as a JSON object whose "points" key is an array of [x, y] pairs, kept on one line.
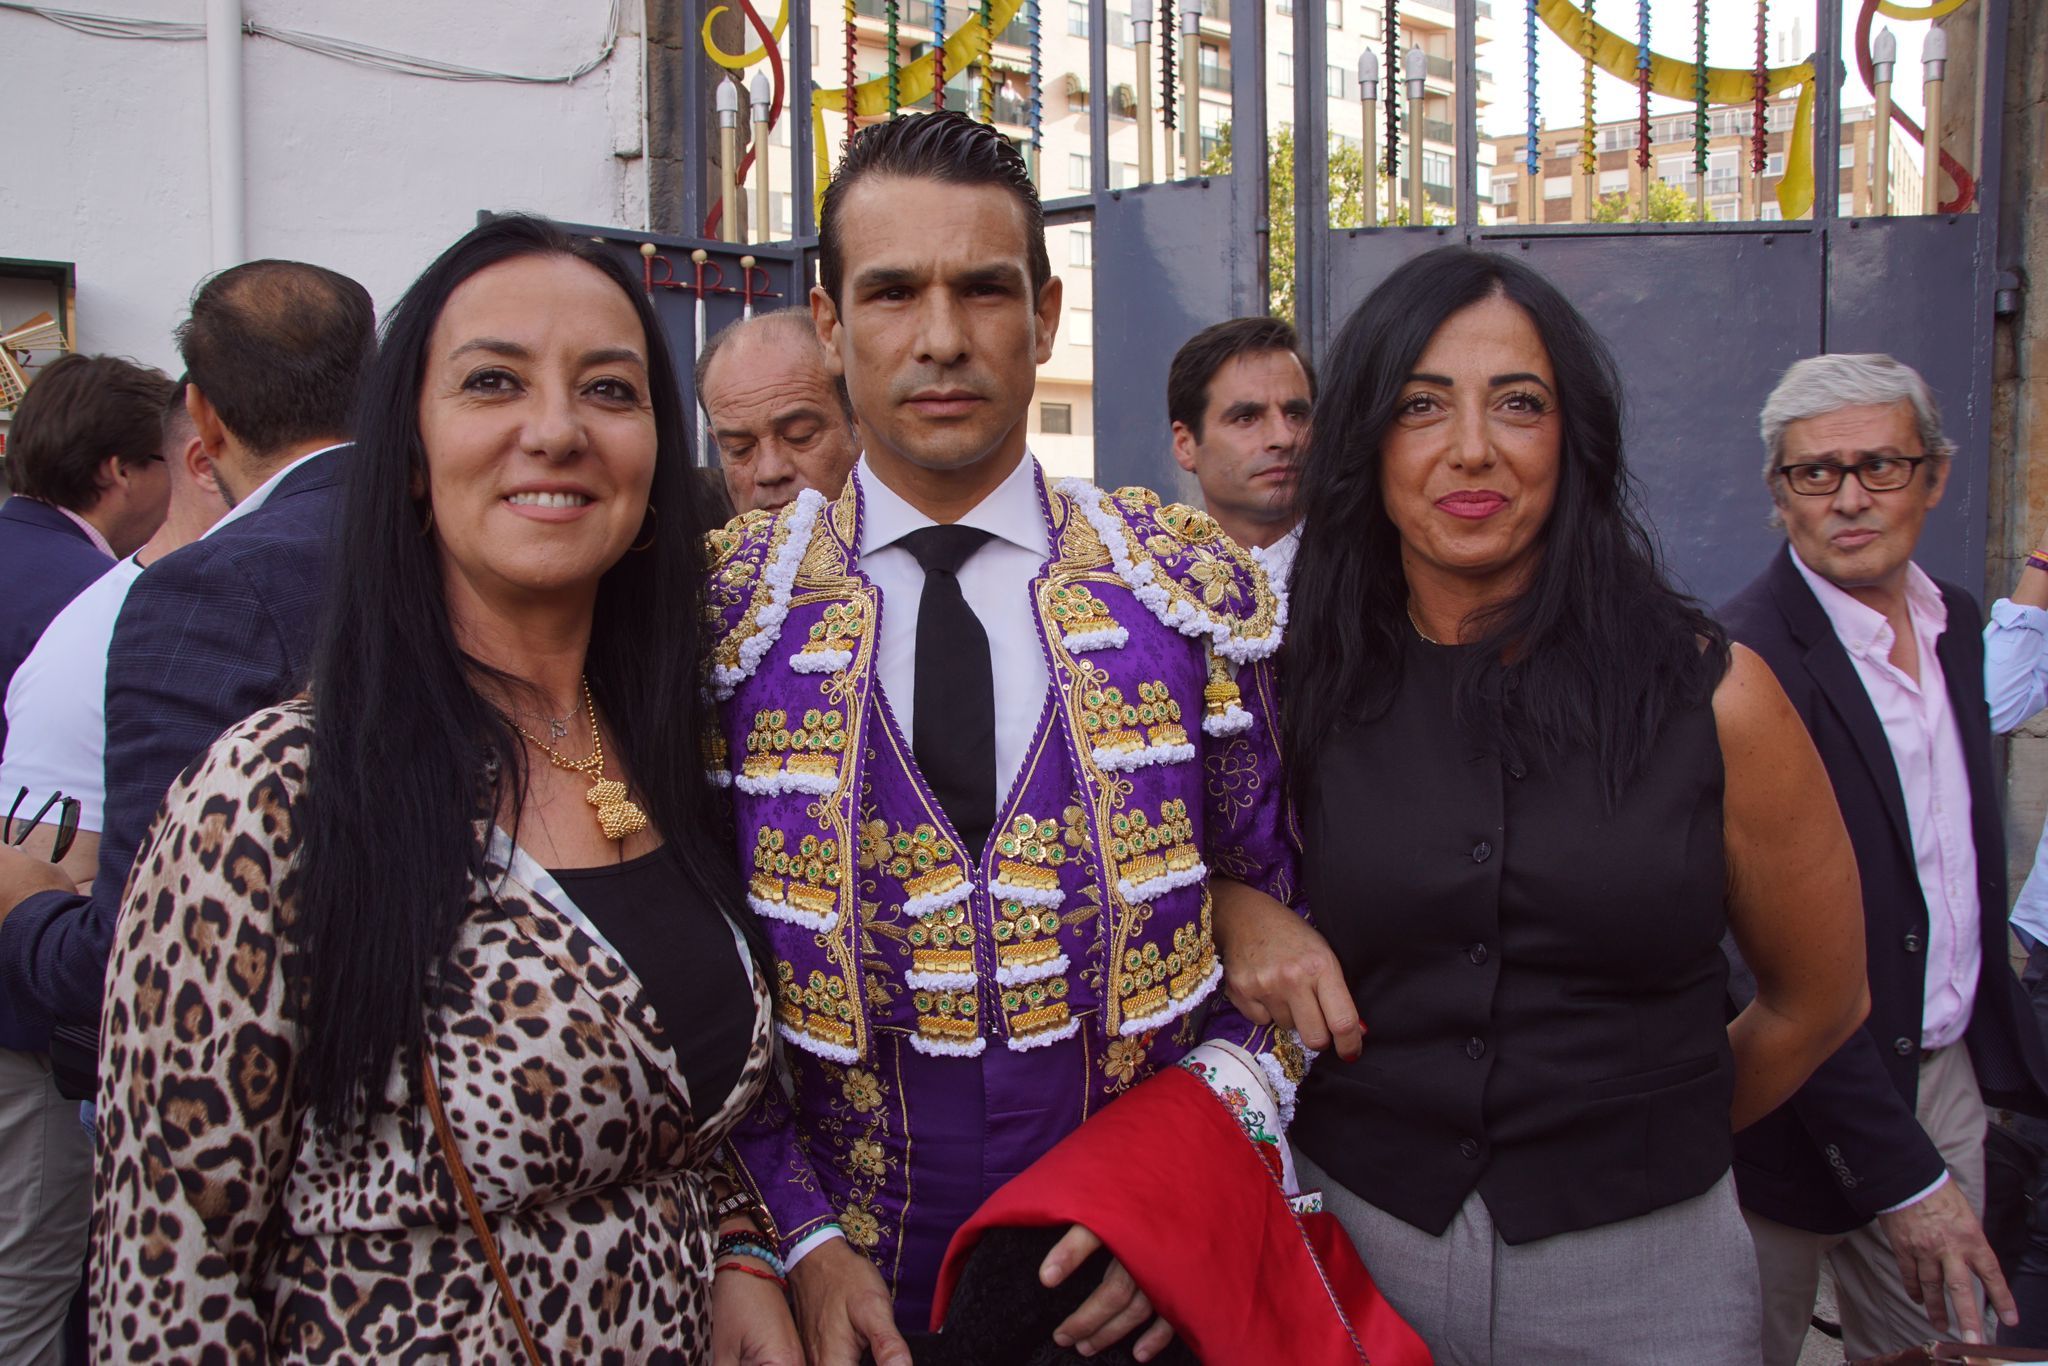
{"points": [[953, 714]]}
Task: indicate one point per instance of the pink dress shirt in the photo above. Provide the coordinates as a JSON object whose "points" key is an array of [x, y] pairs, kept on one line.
{"points": [[1927, 750]]}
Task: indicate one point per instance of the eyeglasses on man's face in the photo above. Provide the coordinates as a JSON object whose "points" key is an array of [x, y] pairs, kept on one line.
{"points": [[67, 823], [1877, 474]]}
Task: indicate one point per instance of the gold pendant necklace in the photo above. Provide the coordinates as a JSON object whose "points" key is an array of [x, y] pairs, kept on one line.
{"points": [[617, 817]]}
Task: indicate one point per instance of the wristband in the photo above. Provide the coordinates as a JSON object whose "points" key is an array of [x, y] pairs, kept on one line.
{"points": [[739, 1202], [2038, 560]]}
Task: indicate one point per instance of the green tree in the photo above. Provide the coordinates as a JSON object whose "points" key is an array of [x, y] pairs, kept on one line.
{"points": [[1349, 176], [1668, 204]]}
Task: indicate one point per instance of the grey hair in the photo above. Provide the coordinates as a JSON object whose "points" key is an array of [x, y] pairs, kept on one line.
{"points": [[1820, 385]]}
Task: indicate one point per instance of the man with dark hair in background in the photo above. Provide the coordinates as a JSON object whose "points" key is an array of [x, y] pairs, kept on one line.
{"points": [[86, 459], [274, 352], [56, 742], [782, 425], [1238, 395]]}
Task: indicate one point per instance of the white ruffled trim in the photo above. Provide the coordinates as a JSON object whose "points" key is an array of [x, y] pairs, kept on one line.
{"points": [[925, 903], [1140, 578], [775, 784], [1031, 1041], [1152, 888], [1284, 1090], [820, 661], [1127, 759], [1174, 1009], [1035, 972], [1105, 638], [780, 576], [1235, 720], [938, 981], [720, 777], [831, 1052], [1000, 890], [940, 1048], [782, 910]]}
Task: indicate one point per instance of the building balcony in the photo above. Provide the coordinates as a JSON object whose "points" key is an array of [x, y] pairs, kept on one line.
{"points": [[1213, 75]]}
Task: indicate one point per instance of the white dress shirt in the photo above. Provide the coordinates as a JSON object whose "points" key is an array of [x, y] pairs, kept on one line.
{"points": [[1279, 558], [57, 702], [995, 580], [1927, 749]]}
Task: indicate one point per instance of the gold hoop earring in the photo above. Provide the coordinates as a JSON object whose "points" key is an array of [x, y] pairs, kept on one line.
{"points": [[649, 542]]}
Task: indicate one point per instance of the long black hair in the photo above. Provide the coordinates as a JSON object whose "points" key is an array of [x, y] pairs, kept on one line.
{"points": [[407, 753], [1598, 649]]}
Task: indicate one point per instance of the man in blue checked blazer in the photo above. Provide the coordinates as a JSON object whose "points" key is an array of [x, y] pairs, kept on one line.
{"points": [[274, 352]]}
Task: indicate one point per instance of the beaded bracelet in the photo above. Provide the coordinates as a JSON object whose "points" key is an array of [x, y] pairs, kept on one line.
{"points": [[739, 1202], [755, 1271], [746, 1243]]}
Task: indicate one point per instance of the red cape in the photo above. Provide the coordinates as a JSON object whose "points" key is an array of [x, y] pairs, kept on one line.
{"points": [[1177, 1192]]}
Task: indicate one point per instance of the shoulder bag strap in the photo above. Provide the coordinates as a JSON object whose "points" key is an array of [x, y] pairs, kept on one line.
{"points": [[476, 1211]]}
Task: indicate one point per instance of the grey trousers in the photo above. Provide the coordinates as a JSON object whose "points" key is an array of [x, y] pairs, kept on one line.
{"points": [[1676, 1287], [1878, 1316], [45, 1209]]}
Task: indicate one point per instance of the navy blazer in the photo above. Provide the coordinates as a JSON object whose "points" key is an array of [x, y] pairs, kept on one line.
{"points": [[45, 561], [209, 634], [1847, 1144]]}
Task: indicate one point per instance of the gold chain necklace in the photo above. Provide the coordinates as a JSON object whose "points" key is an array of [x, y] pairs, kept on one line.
{"points": [[616, 816]]}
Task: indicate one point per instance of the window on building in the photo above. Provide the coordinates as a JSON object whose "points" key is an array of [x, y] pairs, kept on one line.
{"points": [[1612, 182], [1675, 170], [1286, 6], [1722, 210], [1565, 149], [1774, 164], [1077, 18], [1557, 187], [1123, 175], [1287, 70], [1080, 248], [1056, 419], [1772, 213], [1848, 156], [1504, 189], [1335, 84], [1845, 206], [1081, 326], [1436, 169], [1120, 29], [1335, 13], [778, 209], [1077, 170]]}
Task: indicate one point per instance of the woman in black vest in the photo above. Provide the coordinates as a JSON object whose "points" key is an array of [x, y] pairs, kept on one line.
{"points": [[1536, 786]]}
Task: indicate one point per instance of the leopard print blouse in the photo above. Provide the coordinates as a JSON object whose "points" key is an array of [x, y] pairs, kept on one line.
{"points": [[229, 1229]]}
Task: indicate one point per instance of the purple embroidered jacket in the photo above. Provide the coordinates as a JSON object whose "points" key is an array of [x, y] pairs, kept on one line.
{"points": [[949, 1022]]}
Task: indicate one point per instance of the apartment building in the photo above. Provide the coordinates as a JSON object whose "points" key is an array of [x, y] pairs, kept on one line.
{"points": [[1563, 193]]}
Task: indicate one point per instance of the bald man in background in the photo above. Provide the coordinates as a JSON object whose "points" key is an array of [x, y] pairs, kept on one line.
{"points": [[781, 423]]}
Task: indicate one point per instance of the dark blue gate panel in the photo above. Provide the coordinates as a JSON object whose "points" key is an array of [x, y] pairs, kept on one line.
{"points": [[1908, 287], [1361, 258], [1702, 325], [1165, 262]]}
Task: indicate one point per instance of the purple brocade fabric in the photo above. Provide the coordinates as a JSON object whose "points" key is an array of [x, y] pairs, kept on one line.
{"points": [[947, 1021]]}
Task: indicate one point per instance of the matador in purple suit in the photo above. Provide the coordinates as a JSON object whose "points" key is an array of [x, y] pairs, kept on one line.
{"points": [[989, 736]]}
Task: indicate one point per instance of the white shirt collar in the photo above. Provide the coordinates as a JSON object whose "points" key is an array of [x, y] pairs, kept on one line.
{"points": [[1862, 629], [1011, 511], [269, 486]]}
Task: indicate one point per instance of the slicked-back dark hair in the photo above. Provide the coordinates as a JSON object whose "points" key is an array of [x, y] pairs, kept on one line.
{"points": [[1593, 655], [1212, 348], [407, 752], [279, 348], [80, 410], [948, 147]]}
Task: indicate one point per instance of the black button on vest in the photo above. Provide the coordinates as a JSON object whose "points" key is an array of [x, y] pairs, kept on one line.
{"points": [[953, 721]]}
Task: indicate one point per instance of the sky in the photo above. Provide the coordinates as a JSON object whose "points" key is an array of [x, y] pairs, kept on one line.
{"points": [[1731, 42]]}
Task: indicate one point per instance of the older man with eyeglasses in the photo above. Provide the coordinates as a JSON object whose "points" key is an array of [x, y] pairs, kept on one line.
{"points": [[1877, 1164]]}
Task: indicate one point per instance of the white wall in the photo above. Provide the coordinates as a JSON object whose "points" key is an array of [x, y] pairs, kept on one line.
{"points": [[368, 172]]}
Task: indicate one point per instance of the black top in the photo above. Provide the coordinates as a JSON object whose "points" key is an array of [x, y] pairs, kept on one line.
{"points": [[1847, 1144], [1539, 972], [684, 954]]}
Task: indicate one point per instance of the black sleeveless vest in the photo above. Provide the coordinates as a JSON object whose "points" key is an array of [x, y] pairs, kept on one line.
{"points": [[1540, 975]]}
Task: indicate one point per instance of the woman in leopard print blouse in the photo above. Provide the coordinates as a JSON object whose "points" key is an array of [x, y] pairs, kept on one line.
{"points": [[408, 884]]}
